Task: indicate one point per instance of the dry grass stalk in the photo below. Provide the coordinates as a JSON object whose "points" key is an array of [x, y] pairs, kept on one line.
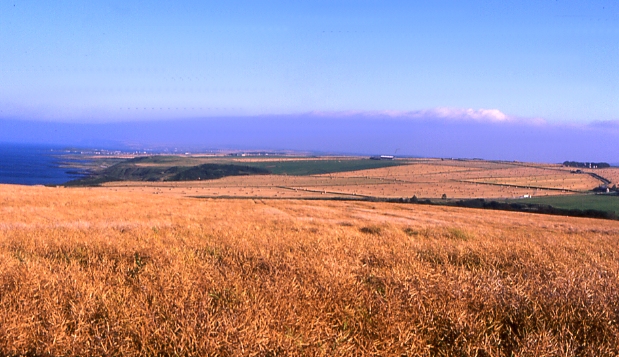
{"points": [[95, 272]]}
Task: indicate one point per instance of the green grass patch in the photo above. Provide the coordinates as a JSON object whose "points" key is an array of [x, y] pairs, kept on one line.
{"points": [[128, 171], [607, 203], [317, 167], [179, 168]]}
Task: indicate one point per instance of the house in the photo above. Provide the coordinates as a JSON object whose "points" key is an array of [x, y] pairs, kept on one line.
{"points": [[382, 157]]}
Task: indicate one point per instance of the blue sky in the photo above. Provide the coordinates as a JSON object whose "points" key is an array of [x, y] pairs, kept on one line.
{"points": [[523, 80], [103, 61]]}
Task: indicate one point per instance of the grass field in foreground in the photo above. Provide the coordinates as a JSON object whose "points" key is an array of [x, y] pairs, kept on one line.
{"points": [[97, 272], [581, 202]]}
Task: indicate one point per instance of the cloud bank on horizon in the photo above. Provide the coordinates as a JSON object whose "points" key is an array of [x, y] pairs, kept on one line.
{"points": [[441, 113], [486, 134], [112, 61], [526, 80]]}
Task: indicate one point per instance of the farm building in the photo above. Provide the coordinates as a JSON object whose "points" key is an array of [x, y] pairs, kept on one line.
{"points": [[382, 157]]}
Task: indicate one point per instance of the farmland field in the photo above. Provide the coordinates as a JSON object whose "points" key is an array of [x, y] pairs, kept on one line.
{"points": [[315, 167], [611, 173], [346, 177], [103, 271], [152, 267], [174, 168], [582, 202]]}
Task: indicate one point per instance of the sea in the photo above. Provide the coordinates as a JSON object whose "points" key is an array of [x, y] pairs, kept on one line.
{"points": [[38, 164]]}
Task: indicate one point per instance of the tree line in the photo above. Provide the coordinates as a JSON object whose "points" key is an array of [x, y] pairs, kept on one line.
{"points": [[599, 165]]}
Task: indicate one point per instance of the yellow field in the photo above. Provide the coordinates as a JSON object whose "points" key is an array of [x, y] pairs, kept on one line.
{"points": [[507, 174], [424, 178], [272, 186], [105, 271], [611, 174]]}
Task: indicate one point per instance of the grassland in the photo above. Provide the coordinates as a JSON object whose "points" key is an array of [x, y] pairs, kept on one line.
{"points": [[581, 202], [93, 271], [424, 178], [611, 173], [317, 167], [188, 168], [128, 171]]}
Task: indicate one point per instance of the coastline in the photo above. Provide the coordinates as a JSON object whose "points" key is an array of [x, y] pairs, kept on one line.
{"points": [[32, 164]]}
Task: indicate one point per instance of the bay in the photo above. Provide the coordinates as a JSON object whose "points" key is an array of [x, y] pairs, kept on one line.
{"points": [[25, 164]]}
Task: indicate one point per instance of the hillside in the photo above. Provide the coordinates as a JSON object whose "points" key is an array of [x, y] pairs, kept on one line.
{"points": [[131, 170], [94, 271], [161, 168]]}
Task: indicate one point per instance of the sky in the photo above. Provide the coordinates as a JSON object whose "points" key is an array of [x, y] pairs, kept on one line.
{"points": [[553, 63]]}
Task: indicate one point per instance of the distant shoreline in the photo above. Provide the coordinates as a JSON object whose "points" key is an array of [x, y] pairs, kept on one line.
{"points": [[24, 164]]}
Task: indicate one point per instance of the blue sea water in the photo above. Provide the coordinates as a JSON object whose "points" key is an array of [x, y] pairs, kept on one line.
{"points": [[35, 165]]}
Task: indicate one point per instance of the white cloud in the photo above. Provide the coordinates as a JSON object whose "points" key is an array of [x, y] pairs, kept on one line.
{"points": [[492, 115], [451, 114]]}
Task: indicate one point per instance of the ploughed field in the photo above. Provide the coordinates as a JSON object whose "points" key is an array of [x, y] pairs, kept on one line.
{"points": [[103, 271]]}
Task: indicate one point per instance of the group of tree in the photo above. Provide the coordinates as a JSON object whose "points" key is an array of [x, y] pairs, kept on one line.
{"points": [[599, 165]]}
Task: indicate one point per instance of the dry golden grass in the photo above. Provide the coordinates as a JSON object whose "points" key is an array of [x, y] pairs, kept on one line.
{"points": [[516, 174], [421, 178], [100, 272], [415, 170], [611, 174], [561, 181], [424, 178], [275, 186], [465, 179]]}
